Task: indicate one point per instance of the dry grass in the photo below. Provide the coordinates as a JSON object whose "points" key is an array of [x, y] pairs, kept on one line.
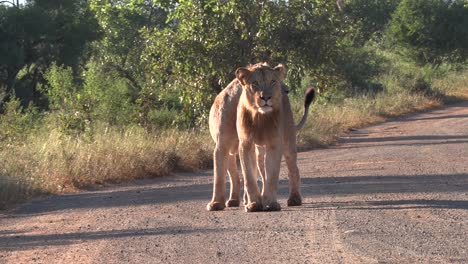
{"points": [[329, 121], [453, 86], [53, 163]]}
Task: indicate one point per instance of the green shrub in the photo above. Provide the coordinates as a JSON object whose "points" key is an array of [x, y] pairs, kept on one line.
{"points": [[110, 95], [16, 122], [369, 18], [72, 108], [162, 118], [99, 96], [359, 68], [431, 31]]}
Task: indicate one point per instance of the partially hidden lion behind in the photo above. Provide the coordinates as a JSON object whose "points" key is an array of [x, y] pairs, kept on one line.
{"points": [[252, 116]]}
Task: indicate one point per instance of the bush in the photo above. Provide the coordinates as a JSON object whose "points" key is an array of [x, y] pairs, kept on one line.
{"points": [[431, 31], [72, 109], [109, 95], [359, 68], [16, 122], [369, 18]]}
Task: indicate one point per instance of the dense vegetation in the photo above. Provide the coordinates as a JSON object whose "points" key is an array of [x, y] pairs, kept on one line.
{"points": [[105, 90]]}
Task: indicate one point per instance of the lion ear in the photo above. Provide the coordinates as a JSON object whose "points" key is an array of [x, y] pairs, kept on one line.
{"points": [[243, 74], [281, 71]]}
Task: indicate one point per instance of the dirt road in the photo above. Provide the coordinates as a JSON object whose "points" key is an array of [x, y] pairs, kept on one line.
{"points": [[390, 193]]}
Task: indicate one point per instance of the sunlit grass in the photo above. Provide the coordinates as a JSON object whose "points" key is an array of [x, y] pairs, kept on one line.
{"points": [[52, 163]]}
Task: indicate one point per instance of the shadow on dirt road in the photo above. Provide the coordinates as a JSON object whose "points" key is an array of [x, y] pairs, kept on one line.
{"points": [[311, 187]]}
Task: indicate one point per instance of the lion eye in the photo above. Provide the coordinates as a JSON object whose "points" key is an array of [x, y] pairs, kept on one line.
{"points": [[273, 82], [255, 84]]}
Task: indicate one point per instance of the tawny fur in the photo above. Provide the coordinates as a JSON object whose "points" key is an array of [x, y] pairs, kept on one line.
{"points": [[252, 116]]}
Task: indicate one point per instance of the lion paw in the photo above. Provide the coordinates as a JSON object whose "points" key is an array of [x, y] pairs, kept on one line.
{"points": [[215, 206], [273, 206], [294, 200], [253, 207], [232, 203]]}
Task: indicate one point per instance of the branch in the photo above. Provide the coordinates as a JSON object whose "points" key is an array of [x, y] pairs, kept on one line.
{"points": [[11, 3], [340, 4], [124, 73]]}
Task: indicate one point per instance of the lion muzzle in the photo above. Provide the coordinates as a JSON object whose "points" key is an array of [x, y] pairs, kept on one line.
{"points": [[265, 105]]}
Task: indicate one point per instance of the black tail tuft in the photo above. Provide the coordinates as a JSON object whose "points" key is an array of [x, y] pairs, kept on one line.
{"points": [[309, 97]]}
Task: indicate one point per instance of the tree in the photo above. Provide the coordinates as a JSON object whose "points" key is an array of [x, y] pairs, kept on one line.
{"points": [[431, 30], [34, 36], [369, 18], [121, 50], [10, 2], [122, 44], [196, 54]]}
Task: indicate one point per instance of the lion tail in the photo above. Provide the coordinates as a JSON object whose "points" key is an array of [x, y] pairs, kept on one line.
{"points": [[309, 97]]}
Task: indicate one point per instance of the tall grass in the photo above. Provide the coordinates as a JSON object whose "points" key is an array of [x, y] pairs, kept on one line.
{"points": [[50, 162]]}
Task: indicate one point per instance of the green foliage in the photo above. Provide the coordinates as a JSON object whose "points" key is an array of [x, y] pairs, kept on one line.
{"points": [[369, 18], [72, 105], [101, 95], [16, 122], [359, 67], [162, 118], [34, 36], [431, 30], [3, 94], [122, 45], [122, 53], [196, 54], [109, 96]]}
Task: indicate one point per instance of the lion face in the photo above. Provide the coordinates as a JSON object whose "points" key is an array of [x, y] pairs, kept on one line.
{"points": [[262, 86]]}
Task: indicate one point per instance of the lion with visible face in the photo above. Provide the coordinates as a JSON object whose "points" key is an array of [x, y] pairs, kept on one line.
{"points": [[252, 116]]}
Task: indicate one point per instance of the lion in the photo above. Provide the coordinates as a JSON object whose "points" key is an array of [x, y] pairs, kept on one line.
{"points": [[252, 117]]}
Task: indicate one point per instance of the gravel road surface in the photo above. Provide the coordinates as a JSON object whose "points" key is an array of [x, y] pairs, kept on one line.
{"points": [[395, 192]]}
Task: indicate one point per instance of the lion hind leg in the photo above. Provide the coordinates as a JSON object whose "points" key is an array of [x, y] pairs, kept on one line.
{"points": [[295, 198], [234, 197], [219, 185]]}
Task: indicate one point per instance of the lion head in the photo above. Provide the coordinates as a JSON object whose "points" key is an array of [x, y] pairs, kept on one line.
{"points": [[262, 86]]}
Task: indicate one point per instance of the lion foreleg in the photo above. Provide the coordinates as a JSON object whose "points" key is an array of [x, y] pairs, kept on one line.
{"points": [[247, 159], [260, 153], [272, 168]]}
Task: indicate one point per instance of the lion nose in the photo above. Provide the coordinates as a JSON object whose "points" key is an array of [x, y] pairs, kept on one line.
{"points": [[265, 98]]}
